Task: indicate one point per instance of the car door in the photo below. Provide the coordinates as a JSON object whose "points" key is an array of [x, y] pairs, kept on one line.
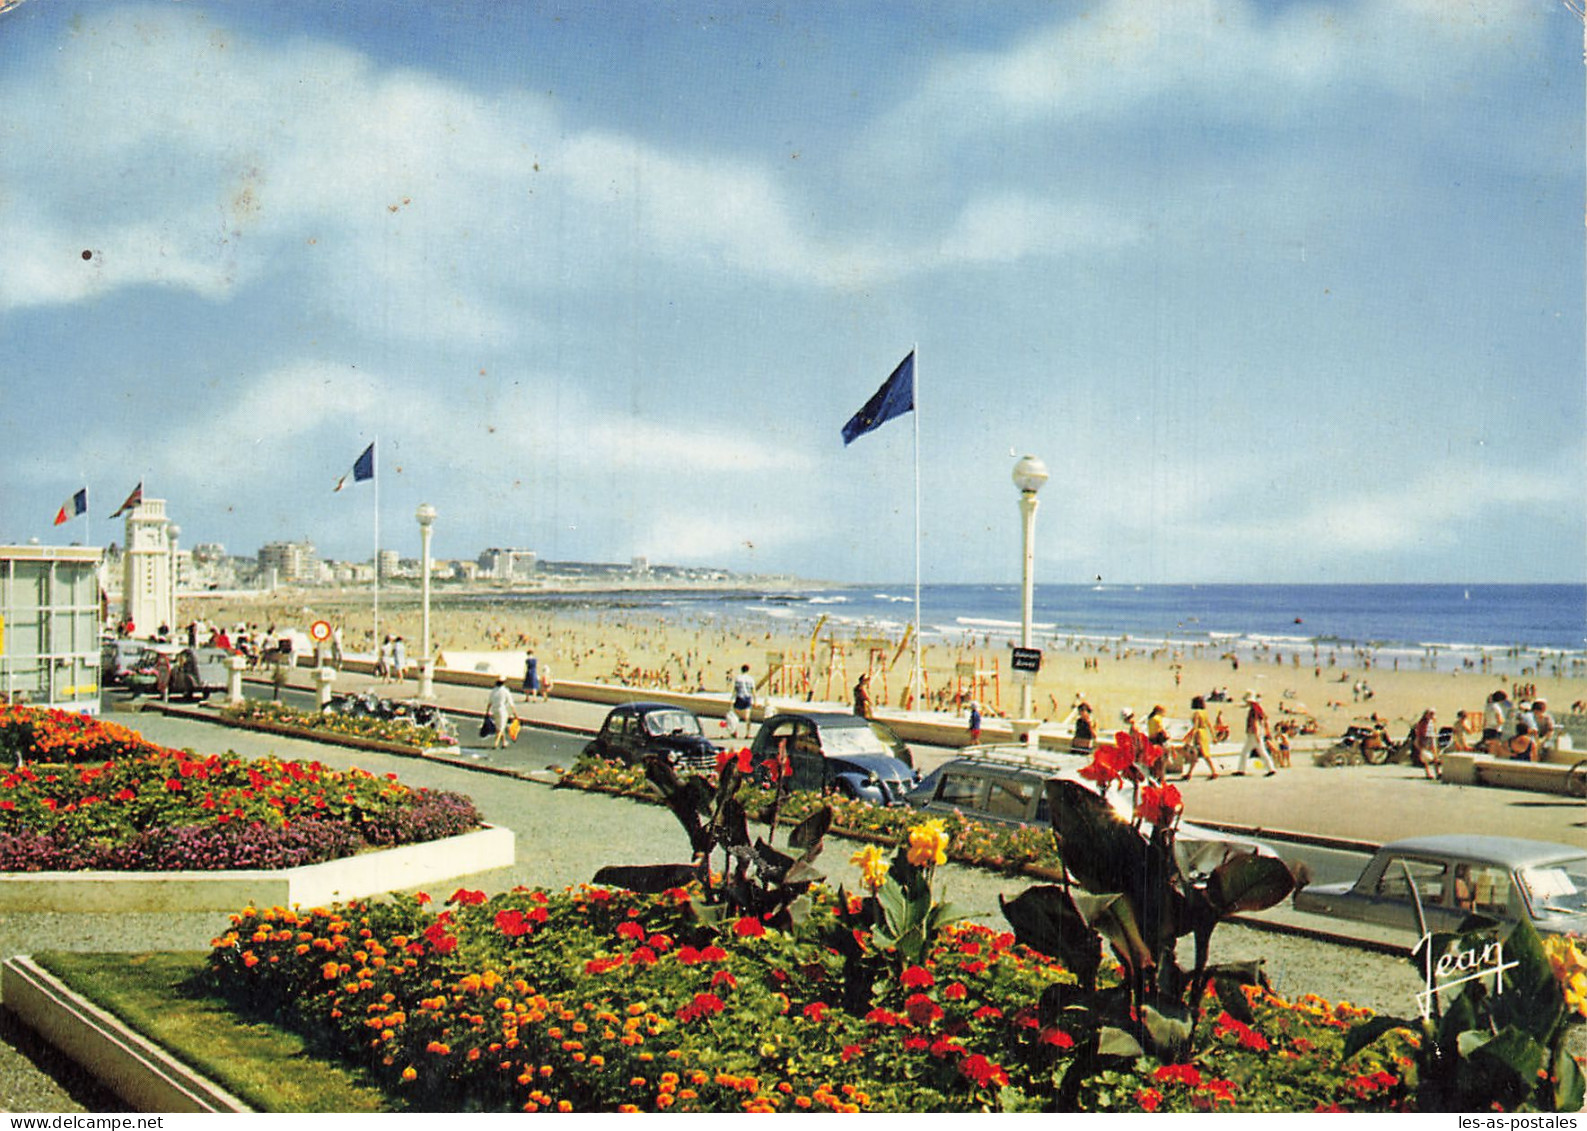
{"points": [[1393, 897]]}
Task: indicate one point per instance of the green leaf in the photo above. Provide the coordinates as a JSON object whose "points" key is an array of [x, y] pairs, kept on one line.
{"points": [[1113, 916], [1531, 999], [1569, 1087], [1045, 919], [1113, 1041], [1249, 882], [1168, 1026], [1370, 1030], [647, 879], [808, 833]]}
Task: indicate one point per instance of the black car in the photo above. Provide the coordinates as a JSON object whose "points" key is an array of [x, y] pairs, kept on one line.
{"points": [[633, 732], [845, 754], [117, 660]]}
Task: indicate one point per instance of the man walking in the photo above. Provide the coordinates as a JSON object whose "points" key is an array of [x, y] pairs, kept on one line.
{"points": [[1256, 735]]}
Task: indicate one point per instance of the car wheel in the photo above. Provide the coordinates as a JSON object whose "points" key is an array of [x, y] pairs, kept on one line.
{"points": [[1377, 755], [1576, 780]]}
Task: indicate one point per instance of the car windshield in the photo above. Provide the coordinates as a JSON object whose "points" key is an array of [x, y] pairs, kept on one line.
{"points": [[841, 741], [672, 722], [1556, 889]]}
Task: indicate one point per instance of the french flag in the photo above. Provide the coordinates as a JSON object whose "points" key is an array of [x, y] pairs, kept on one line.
{"points": [[72, 507]]}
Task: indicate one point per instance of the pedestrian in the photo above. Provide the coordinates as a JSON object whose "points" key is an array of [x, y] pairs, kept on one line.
{"points": [[862, 696], [336, 648], [1256, 736], [975, 722], [1424, 743], [1495, 713], [399, 659], [531, 676], [498, 709], [1085, 732], [1547, 732], [1198, 743], [743, 699], [383, 659]]}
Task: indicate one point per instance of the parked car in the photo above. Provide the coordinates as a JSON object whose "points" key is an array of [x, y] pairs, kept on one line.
{"points": [[117, 659], [1504, 879], [838, 753], [633, 732], [177, 672], [1008, 785]]}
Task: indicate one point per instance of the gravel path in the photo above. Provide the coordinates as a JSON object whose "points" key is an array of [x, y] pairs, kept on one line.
{"points": [[563, 837]]}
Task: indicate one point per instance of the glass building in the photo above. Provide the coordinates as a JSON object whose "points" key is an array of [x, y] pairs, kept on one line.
{"points": [[49, 626]]}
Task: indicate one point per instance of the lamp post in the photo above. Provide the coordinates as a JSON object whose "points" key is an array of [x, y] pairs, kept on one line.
{"points": [[173, 532], [1029, 475], [426, 516]]}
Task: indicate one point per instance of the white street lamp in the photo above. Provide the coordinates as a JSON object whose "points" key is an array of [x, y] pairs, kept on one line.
{"points": [[172, 532], [1029, 475], [426, 516]]}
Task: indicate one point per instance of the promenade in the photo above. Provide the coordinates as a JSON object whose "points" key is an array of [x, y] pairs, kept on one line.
{"points": [[564, 836], [1359, 803]]}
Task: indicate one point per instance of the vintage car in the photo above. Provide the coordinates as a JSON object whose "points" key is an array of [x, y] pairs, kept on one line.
{"points": [[176, 672], [1008, 785], [633, 732], [1504, 879], [117, 659], [837, 753]]}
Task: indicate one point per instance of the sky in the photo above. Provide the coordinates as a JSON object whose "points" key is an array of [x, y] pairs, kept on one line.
{"points": [[1280, 292]]}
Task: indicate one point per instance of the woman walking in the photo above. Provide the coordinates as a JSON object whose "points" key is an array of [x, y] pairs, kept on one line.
{"points": [[1198, 743]]}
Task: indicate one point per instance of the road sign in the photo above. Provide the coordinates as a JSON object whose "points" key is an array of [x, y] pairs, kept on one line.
{"points": [[1026, 660], [320, 630]]}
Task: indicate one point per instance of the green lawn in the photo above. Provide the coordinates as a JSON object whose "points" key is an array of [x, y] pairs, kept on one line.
{"points": [[162, 996]]}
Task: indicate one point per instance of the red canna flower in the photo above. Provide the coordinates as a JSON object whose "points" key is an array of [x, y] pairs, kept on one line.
{"points": [[1159, 805]]}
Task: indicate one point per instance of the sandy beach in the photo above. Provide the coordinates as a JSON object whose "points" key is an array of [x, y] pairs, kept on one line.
{"points": [[601, 639]]}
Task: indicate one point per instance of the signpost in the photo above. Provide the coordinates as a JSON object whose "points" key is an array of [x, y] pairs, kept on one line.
{"points": [[1024, 664]]}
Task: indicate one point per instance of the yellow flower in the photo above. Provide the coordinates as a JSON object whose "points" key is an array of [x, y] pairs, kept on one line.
{"points": [[872, 864], [928, 844]]}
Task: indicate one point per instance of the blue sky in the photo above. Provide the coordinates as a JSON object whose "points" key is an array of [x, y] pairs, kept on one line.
{"points": [[1279, 291]]}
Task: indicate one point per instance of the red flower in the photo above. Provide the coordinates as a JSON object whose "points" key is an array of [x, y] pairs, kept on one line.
{"points": [[703, 1005], [987, 1013], [687, 955], [1185, 1074], [749, 928], [630, 930], [921, 1009], [724, 977], [468, 898], [916, 1044], [945, 1046], [850, 1052], [642, 956], [602, 965], [816, 1010], [1108, 764], [981, 1071], [1159, 804], [879, 1016], [511, 923], [917, 977], [1057, 1038], [954, 991], [1149, 1098], [713, 953]]}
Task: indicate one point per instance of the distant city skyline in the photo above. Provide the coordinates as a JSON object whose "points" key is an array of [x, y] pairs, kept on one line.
{"points": [[1287, 291]]}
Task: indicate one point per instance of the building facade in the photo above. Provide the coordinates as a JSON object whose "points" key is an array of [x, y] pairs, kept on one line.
{"points": [[50, 619], [148, 588]]}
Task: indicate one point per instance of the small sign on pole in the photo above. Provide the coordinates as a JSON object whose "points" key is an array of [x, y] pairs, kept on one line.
{"points": [[1024, 664]]}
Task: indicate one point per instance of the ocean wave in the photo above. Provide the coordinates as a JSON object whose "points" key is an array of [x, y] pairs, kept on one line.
{"points": [[1002, 625], [838, 600]]}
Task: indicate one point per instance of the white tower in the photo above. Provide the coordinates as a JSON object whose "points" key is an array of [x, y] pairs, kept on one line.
{"points": [[148, 587]]}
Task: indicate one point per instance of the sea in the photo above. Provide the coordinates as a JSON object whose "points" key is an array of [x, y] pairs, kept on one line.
{"points": [[1501, 628]]}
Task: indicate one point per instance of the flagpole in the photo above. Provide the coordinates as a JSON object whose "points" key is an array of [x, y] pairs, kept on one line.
{"points": [[376, 459], [916, 678]]}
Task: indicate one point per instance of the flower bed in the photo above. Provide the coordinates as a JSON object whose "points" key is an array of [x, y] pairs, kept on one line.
{"points": [[395, 732], [112, 801], [1014, 848], [597, 1000]]}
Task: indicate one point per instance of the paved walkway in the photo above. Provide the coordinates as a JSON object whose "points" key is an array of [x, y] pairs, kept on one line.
{"points": [[1365, 803]]}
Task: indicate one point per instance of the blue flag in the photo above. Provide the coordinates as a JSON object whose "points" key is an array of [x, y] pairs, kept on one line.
{"points": [[363, 468], [894, 398]]}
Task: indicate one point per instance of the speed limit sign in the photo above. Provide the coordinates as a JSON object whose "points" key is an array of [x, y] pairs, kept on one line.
{"points": [[320, 630]]}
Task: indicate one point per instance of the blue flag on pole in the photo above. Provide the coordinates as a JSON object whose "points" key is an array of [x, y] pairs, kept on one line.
{"points": [[363, 468], [894, 398]]}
